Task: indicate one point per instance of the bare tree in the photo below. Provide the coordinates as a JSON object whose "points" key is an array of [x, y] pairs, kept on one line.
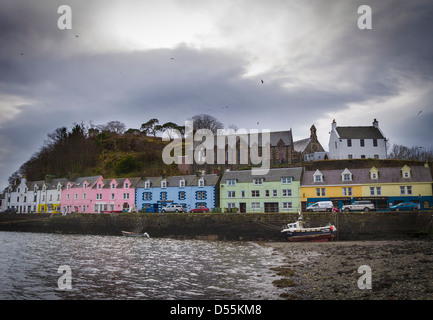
{"points": [[205, 121]]}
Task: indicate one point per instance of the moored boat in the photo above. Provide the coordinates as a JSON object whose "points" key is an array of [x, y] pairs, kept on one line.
{"points": [[296, 232], [133, 234]]}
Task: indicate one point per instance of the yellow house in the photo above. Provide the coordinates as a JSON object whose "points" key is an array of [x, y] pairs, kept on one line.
{"points": [[338, 186], [385, 186]]}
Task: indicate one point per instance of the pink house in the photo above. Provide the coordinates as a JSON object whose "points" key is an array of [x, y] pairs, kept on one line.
{"points": [[96, 194]]}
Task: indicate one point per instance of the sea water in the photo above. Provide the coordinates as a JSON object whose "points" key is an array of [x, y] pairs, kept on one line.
{"points": [[32, 266]]}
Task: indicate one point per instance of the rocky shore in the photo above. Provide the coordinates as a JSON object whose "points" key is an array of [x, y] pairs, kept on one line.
{"points": [[400, 270]]}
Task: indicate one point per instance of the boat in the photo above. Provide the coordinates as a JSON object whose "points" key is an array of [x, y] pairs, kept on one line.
{"points": [[133, 234], [296, 232]]}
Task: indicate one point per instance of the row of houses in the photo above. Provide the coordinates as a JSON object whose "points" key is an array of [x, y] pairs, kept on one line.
{"points": [[280, 190]]}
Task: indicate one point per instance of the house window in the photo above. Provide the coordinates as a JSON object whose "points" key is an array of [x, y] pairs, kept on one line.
{"points": [[362, 156], [258, 181], [112, 196], [409, 190], [255, 205], [231, 205], [200, 195], [402, 190], [231, 194], [147, 185], [318, 178], [275, 193], [163, 184], [406, 174], [373, 175], [267, 193], [374, 142], [126, 185], [147, 196], [347, 177], [349, 156], [362, 143], [287, 192], [231, 182], [347, 191], [371, 191], [99, 186], [113, 186], [84, 208], [243, 193], [181, 195], [320, 192], [255, 193], [287, 205], [378, 191], [335, 144], [182, 183], [99, 196], [76, 196], [163, 196], [84, 195], [376, 156], [67, 196], [287, 180], [126, 196], [349, 142]]}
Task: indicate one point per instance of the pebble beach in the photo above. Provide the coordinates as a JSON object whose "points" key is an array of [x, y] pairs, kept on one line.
{"points": [[399, 269]]}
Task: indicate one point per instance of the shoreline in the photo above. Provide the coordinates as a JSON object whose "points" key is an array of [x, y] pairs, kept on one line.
{"points": [[400, 270]]}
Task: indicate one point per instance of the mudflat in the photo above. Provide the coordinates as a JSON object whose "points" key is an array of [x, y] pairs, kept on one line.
{"points": [[355, 270]]}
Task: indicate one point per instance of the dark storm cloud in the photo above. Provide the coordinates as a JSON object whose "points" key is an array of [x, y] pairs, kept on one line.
{"points": [[324, 65]]}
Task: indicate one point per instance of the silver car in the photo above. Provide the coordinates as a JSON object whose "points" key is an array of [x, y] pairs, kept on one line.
{"points": [[362, 205]]}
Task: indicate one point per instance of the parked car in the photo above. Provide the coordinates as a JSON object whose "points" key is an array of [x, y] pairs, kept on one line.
{"points": [[362, 205], [199, 209], [404, 206], [10, 210], [174, 208], [321, 206]]}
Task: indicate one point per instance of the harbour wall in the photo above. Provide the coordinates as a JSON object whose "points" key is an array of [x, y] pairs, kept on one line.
{"points": [[226, 226]]}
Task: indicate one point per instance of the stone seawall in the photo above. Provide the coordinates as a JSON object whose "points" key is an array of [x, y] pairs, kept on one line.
{"points": [[224, 226]]}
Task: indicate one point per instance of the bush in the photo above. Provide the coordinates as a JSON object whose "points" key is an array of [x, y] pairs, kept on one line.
{"points": [[127, 165]]}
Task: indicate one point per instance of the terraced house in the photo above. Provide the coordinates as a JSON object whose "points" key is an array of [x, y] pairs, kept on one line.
{"points": [[277, 191], [154, 193], [96, 194], [384, 186]]}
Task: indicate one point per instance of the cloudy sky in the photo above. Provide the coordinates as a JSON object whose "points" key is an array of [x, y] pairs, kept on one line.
{"points": [[171, 59]]}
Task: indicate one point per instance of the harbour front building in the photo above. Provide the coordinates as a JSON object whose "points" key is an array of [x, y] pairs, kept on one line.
{"points": [[152, 194], [95, 195], [276, 191], [383, 186]]}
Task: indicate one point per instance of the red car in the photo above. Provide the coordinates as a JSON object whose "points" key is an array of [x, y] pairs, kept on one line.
{"points": [[199, 209]]}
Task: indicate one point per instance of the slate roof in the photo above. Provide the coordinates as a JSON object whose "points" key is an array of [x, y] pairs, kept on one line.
{"points": [[362, 176], [300, 145], [245, 176], [174, 181], [370, 132]]}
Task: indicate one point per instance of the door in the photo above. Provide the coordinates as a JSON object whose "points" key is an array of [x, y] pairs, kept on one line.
{"points": [[242, 207], [271, 206]]}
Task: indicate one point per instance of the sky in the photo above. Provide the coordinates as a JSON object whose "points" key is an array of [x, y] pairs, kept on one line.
{"points": [[134, 60]]}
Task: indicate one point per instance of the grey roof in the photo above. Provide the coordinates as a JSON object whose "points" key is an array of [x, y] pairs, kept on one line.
{"points": [[362, 176], [119, 181], [370, 132], [300, 145], [273, 175], [52, 184], [173, 181], [78, 182]]}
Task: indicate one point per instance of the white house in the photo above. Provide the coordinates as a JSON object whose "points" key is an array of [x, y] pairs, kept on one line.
{"points": [[20, 197], [357, 142]]}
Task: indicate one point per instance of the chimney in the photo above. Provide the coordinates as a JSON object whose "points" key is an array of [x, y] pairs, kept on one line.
{"points": [[334, 124], [375, 123]]}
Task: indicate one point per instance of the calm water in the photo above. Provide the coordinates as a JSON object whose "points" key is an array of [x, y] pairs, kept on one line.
{"points": [[108, 267]]}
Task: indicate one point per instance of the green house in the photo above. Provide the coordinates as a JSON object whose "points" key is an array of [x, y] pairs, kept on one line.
{"points": [[277, 191]]}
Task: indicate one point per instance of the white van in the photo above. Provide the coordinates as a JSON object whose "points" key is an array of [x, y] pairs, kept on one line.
{"points": [[321, 206]]}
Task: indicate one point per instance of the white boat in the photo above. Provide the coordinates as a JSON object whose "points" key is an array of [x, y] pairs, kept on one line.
{"points": [[297, 232], [133, 234]]}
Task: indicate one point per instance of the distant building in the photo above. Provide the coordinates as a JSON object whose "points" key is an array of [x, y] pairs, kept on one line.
{"points": [[357, 142], [309, 149]]}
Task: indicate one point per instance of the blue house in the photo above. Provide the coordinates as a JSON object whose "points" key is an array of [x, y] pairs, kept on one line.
{"points": [[152, 194]]}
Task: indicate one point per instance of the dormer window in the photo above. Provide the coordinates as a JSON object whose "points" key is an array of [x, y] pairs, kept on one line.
{"points": [[85, 185], [182, 183], [317, 176], [164, 184], [346, 175], [126, 185], [113, 186], [201, 182], [286, 180], [231, 182], [405, 172], [147, 184], [258, 181]]}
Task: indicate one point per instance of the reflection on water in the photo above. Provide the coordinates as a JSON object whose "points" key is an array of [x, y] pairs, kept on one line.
{"points": [[107, 267]]}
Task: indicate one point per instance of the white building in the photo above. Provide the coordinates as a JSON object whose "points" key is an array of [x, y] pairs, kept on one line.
{"points": [[357, 142], [21, 197]]}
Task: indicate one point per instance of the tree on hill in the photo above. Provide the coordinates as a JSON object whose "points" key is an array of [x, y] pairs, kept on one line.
{"points": [[205, 121], [150, 127]]}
